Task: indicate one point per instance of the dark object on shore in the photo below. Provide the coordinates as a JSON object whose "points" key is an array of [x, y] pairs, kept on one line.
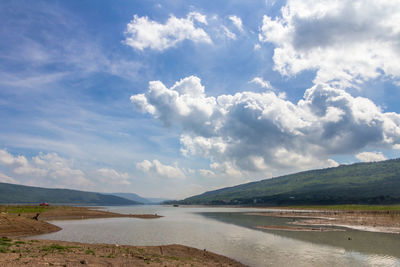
{"points": [[36, 216], [44, 204], [176, 205]]}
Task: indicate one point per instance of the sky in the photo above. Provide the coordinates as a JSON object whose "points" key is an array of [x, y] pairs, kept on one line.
{"points": [[177, 97]]}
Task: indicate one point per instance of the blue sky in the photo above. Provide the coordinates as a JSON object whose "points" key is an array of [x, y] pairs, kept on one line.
{"points": [[173, 98]]}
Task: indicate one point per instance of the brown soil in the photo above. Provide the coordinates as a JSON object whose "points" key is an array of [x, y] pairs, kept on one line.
{"points": [[57, 253], [20, 226], [77, 213], [377, 221]]}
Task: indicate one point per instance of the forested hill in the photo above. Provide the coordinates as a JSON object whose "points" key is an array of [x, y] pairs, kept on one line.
{"points": [[360, 183], [11, 193]]}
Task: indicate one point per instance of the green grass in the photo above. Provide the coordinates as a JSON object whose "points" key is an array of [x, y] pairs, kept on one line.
{"points": [[23, 209], [5, 243], [351, 207], [89, 251], [57, 247]]}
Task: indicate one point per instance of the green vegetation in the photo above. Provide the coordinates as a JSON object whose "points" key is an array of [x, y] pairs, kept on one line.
{"points": [[5, 244], [11, 193], [89, 251], [374, 183], [57, 247], [23, 209]]}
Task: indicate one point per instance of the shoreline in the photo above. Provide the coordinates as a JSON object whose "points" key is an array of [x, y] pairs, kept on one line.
{"points": [[371, 221], [21, 250]]}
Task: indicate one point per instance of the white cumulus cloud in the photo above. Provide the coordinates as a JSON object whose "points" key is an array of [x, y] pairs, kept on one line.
{"points": [[142, 33], [44, 170], [156, 168], [347, 42], [264, 133], [370, 156]]}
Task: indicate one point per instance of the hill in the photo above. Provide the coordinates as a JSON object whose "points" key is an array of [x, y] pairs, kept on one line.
{"points": [[136, 197], [360, 183], [12, 193], [132, 196]]}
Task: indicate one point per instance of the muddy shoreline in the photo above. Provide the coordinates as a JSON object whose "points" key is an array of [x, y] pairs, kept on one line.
{"points": [[372, 221]]}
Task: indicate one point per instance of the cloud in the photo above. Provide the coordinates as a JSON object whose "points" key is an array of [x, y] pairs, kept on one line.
{"points": [[346, 42], [370, 156], [7, 179], [227, 33], [264, 133], [261, 82], [206, 173], [155, 167], [237, 22], [111, 176], [44, 170], [142, 33]]}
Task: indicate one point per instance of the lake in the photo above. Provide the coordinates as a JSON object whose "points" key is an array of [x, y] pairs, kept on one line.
{"points": [[230, 232]]}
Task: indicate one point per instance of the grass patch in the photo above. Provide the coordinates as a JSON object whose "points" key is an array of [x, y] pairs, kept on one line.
{"points": [[89, 251], [24, 209], [5, 243], [57, 247], [351, 207]]}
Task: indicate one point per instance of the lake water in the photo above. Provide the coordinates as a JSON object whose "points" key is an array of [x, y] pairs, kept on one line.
{"points": [[230, 232]]}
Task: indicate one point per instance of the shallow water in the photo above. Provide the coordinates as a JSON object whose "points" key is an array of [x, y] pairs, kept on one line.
{"points": [[230, 232]]}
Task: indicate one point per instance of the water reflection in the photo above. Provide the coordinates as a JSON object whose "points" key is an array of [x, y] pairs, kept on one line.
{"points": [[229, 232], [350, 240]]}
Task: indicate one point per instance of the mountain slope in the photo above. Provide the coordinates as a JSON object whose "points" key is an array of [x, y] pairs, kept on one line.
{"points": [[368, 183], [12, 193], [136, 197], [132, 196]]}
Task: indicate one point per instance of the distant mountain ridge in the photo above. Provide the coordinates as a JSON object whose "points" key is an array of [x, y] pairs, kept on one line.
{"points": [[136, 197], [359, 183], [12, 193]]}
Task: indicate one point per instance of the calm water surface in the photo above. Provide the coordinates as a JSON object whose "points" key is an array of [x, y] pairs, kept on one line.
{"points": [[230, 232]]}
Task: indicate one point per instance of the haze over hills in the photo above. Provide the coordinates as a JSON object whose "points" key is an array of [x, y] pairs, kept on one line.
{"points": [[136, 197], [360, 183], [12, 193]]}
